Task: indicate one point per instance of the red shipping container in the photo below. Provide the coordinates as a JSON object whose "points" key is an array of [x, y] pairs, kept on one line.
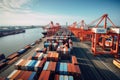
{"points": [[77, 69], [12, 56], [52, 66], [45, 75], [56, 77], [12, 60], [42, 63], [26, 75]]}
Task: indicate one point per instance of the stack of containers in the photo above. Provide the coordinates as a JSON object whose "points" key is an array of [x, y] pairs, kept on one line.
{"points": [[63, 77], [55, 68], [48, 45], [22, 75], [54, 46], [62, 68], [41, 50], [30, 65], [38, 56], [52, 56], [50, 66], [45, 75]]}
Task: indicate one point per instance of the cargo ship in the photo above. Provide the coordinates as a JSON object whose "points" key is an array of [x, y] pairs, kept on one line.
{"points": [[62, 55], [6, 32]]}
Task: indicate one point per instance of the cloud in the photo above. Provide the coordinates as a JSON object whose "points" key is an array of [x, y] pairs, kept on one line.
{"points": [[32, 18], [17, 12], [14, 5]]}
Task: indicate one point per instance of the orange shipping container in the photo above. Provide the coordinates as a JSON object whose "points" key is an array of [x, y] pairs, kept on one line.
{"points": [[14, 74], [20, 74], [69, 67], [74, 60], [73, 68], [22, 65]]}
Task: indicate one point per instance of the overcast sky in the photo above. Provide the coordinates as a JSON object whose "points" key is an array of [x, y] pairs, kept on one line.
{"points": [[41, 12]]}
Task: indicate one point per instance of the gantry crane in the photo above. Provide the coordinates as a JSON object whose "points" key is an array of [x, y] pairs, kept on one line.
{"points": [[105, 41]]}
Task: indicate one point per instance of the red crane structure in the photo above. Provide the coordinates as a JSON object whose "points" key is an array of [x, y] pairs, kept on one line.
{"points": [[104, 40], [83, 32], [51, 29]]}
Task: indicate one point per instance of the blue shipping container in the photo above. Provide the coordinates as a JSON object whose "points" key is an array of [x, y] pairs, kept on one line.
{"points": [[61, 77], [46, 65], [21, 51], [65, 68], [32, 76], [70, 77]]}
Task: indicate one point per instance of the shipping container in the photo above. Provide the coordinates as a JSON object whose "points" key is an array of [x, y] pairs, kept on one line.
{"points": [[46, 65], [30, 65], [36, 68], [61, 69], [74, 60], [70, 78], [14, 74], [11, 56], [22, 75], [2, 56], [12, 60], [26, 75], [52, 56], [45, 75], [65, 68], [40, 66], [61, 77], [21, 51], [37, 56], [56, 77], [52, 66], [66, 77]]}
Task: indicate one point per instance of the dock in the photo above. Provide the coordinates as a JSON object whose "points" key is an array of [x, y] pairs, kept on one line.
{"points": [[92, 67]]}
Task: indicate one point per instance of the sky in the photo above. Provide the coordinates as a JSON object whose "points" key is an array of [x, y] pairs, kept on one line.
{"points": [[41, 12]]}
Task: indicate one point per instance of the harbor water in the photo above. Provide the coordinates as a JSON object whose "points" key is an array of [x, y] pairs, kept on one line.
{"points": [[12, 43]]}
